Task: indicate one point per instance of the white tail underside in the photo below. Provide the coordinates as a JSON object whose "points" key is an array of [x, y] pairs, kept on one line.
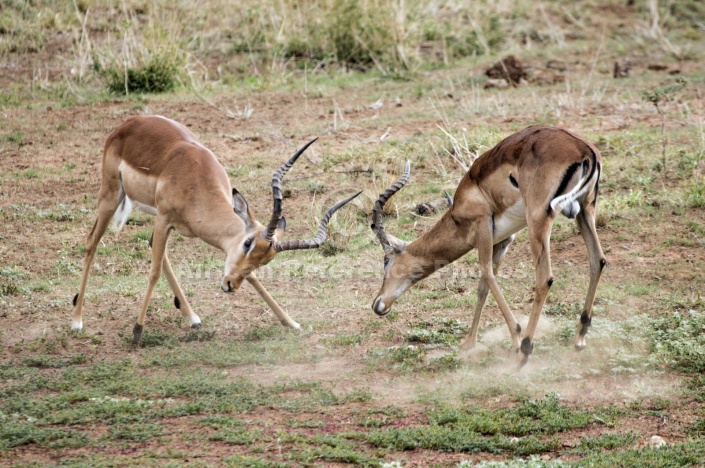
{"points": [[121, 214], [568, 202]]}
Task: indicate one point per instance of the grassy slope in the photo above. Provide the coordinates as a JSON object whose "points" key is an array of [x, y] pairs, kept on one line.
{"points": [[352, 388]]}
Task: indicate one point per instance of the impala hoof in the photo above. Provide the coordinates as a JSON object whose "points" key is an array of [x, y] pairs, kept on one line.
{"points": [[468, 345], [196, 326], [136, 334]]}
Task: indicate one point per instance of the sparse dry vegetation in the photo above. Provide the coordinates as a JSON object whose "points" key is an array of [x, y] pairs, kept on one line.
{"points": [[381, 81]]}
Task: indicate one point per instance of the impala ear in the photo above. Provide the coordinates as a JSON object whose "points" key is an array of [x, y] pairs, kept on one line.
{"points": [[397, 245], [241, 208]]}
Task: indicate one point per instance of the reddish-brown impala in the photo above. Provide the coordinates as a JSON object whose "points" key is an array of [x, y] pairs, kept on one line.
{"points": [[523, 182], [157, 165]]}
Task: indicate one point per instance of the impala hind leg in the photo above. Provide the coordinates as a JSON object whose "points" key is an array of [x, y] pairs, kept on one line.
{"points": [[586, 224], [498, 252], [109, 200], [539, 241], [159, 239], [278, 311]]}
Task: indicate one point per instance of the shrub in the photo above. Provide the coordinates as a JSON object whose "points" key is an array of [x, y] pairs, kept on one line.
{"points": [[158, 76]]}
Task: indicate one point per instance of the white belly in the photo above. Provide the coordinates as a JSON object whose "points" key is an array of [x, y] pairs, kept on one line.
{"points": [[511, 221]]}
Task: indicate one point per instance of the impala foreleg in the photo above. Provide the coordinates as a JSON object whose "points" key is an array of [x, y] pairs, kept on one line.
{"points": [[106, 208], [586, 224], [278, 311], [498, 252], [159, 239], [180, 301], [485, 254]]}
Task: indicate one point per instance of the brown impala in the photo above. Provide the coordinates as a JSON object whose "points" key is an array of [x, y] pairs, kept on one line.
{"points": [[157, 165], [525, 181]]}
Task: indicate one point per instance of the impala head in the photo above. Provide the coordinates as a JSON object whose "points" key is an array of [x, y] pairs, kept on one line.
{"points": [[258, 244], [401, 268]]}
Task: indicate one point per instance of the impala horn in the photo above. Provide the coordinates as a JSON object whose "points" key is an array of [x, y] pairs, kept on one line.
{"points": [[321, 235], [277, 177], [377, 226]]}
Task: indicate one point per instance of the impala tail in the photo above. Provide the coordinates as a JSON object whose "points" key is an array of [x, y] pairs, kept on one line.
{"points": [[588, 174]]}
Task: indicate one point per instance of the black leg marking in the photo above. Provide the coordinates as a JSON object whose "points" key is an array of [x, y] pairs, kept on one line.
{"points": [[75, 299], [518, 328], [136, 334], [177, 303], [550, 282], [527, 347], [585, 321], [603, 263]]}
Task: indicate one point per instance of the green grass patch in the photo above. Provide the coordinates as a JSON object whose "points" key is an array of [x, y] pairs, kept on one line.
{"points": [[544, 416], [606, 442], [691, 453], [532, 423], [345, 339], [440, 331], [16, 433], [235, 436], [140, 432], [679, 341]]}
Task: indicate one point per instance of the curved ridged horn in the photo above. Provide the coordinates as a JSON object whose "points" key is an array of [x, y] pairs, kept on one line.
{"points": [[277, 192], [321, 235], [377, 226]]}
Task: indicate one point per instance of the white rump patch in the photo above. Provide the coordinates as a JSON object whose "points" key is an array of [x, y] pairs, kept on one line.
{"points": [[568, 201]]}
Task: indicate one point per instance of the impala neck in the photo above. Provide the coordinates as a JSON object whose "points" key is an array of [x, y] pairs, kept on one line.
{"points": [[221, 229], [442, 244]]}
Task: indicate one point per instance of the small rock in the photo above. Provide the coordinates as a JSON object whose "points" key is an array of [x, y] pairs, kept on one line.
{"points": [[657, 441]]}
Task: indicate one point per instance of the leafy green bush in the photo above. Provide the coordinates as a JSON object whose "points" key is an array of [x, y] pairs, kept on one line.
{"points": [[159, 75], [353, 33]]}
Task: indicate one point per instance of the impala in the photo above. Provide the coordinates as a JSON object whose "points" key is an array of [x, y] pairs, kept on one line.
{"points": [[157, 165], [525, 181]]}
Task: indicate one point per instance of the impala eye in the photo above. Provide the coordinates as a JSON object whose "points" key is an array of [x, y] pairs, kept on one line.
{"points": [[386, 262], [248, 244]]}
